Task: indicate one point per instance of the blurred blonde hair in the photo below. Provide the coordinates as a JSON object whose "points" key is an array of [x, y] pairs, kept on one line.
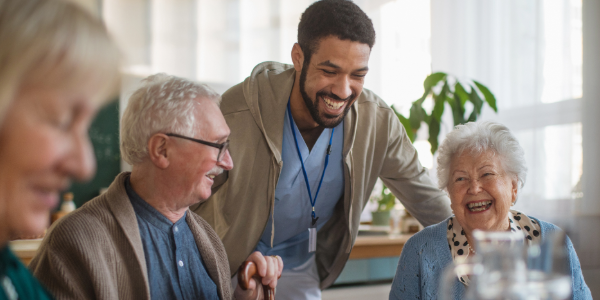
{"points": [[54, 43]]}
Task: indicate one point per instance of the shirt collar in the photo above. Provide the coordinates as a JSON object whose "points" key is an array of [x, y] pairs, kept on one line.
{"points": [[149, 213]]}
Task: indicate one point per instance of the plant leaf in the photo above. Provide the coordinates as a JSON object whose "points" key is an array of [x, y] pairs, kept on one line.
{"points": [[462, 93], [426, 117], [458, 111], [422, 99], [434, 132], [476, 100], [416, 116], [433, 79], [489, 97], [438, 107], [472, 117], [406, 123]]}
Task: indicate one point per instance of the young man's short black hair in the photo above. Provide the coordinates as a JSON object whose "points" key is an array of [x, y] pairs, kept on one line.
{"points": [[340, 18]]}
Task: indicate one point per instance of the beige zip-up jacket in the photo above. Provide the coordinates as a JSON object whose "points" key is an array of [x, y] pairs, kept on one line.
{"points": [[375, 145]]}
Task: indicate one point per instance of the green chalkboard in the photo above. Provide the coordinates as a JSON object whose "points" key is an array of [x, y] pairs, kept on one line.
{"points": [[104, 134]]}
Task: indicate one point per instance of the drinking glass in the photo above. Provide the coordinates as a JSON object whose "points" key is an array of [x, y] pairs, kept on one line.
{"points": [[549, 276], [496, 271]]}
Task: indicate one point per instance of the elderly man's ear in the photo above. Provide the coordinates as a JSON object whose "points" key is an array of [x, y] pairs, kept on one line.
{"points": [[158, 146]]}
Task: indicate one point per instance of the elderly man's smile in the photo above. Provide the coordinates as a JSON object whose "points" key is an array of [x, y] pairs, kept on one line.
{"points": [[479, 206]]}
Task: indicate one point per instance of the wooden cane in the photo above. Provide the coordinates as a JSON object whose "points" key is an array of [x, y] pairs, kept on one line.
{"points": [[245, 273]]}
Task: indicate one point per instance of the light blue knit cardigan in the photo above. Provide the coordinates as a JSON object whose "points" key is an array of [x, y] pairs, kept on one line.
{"points": [[426, 254]]}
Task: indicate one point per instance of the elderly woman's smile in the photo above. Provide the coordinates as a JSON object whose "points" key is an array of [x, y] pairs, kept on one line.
{"points": [[481, 191]]}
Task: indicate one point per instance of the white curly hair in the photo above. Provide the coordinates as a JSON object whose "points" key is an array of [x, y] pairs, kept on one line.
{"points": [[164, 103], [480, 137]]}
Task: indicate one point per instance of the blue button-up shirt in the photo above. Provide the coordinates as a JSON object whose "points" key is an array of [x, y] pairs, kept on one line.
{"points": [[292, 204], [175, 266]]}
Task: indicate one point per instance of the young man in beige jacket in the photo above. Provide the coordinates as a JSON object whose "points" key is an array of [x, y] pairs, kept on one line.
{"points": [[306, 129]]}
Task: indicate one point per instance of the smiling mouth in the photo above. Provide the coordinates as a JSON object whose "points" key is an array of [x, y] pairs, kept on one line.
{"points": [[479, 206], [211, 176], [333, 104]]}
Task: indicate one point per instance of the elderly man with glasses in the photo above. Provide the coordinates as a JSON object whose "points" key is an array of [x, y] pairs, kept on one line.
{"points": [[139, 240]]}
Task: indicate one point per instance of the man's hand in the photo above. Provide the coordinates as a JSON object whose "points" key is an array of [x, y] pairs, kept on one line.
{"points": [[269, 269]]}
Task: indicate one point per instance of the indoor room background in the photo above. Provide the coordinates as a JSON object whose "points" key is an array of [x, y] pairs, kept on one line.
{"points": [[539, 58]]}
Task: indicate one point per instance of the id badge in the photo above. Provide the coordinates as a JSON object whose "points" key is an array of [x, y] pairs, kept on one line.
{"points": [[312, 236]]}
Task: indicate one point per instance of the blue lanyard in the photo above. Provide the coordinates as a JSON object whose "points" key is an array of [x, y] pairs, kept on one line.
{"points": [[312, 201]]}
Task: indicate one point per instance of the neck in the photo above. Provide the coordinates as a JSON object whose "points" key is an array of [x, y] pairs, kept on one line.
{"points": [[153, 192], [471, 243]]}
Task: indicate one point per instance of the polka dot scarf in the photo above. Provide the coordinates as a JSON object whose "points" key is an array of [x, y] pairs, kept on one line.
{"points": [[459, 247]]}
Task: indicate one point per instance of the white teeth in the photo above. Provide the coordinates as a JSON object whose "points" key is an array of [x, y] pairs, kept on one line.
{"points": [[479, 206], [333, 104], [211, 176]]}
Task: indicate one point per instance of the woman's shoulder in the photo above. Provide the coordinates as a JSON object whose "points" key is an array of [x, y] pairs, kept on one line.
{"points": [[544, 226], [431, 235]]}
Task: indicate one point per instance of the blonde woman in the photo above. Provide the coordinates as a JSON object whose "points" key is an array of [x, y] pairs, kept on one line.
{"points": [[57, 67]]}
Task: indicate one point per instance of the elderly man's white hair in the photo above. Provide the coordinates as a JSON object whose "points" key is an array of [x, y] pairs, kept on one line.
{"points": [[163, 104], [478, 137]]}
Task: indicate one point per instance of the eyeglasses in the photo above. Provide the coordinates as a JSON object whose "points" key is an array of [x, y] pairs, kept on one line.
{"points": [[222, 147]]}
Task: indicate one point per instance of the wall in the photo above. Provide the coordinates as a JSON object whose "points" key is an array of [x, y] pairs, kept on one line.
{"points": [[104, 135]]}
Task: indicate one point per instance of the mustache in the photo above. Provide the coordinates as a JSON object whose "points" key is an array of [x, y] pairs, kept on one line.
{"points": [[334, 96], [215, 171]]}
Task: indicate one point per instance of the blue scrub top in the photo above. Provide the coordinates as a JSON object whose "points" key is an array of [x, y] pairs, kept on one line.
{"points": [[292, 204]]}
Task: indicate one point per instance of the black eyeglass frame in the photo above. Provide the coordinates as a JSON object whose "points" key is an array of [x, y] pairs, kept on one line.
{"points": [[222, 147]]}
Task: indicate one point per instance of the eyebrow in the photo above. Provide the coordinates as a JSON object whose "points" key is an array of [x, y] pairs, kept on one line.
{"points": [[328, 63], [484, 167], [222, 138]]}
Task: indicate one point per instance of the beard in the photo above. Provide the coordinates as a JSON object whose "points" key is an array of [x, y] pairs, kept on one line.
{"points": [[323, 119]]}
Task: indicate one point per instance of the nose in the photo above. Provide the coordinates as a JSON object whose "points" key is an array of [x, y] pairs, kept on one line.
{"points": [[474, 186], [79, 162], [341, 88], [226, 162]]}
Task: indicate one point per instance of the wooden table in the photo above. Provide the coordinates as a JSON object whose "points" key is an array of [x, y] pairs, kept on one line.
{"points": [[378, 246], [365, 247]]}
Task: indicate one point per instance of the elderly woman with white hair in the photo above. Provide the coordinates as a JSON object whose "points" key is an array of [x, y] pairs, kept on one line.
{"points": [[482, 167]]}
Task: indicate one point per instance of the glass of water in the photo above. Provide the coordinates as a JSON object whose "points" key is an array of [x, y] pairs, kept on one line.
{"points": [[549, 274]]}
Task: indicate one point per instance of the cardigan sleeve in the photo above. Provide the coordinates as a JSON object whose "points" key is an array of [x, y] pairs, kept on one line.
{"points": [[52, 268], [75, 264], [580, 288]]}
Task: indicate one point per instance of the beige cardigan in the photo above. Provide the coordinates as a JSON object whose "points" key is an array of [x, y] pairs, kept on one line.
{"points": [[375, 145], [96, 252]]}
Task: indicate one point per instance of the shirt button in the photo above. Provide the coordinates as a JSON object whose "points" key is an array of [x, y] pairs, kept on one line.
{"points": [[181, 263], [176, 229]]}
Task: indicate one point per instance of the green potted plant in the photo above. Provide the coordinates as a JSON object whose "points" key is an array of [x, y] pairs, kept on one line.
{"points": [[385, 203], [442, 89], [451, 91]]}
